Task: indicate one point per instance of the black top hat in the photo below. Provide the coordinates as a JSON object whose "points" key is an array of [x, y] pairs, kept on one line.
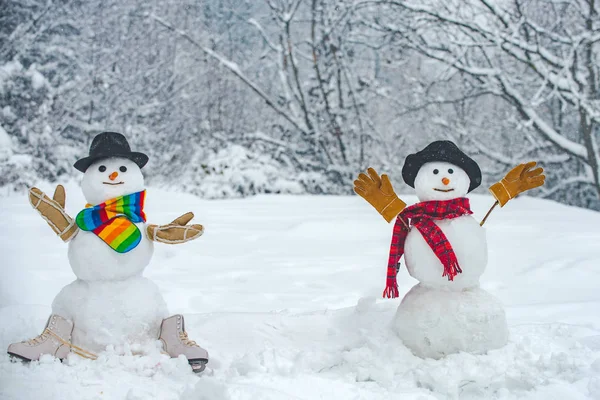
{"points": [[441, 150], [107, 145]]}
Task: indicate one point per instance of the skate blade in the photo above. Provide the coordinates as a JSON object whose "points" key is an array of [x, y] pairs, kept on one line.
{"points": [[17, 357], [198, 366]]}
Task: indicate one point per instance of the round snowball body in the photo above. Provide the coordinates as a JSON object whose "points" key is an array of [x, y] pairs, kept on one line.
{"points": [[468, 240], [434, 323], [112, 312], [93, 260], [441, 181], [110, 178]]}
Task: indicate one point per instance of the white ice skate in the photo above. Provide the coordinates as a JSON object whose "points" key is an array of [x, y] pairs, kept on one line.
{"points": [[176, 342], [54, 340]]}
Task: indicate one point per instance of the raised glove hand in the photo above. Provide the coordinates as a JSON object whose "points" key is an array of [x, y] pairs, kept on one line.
{"points": [[379, 193], [53, 211], [177, 231], [518, 180]]}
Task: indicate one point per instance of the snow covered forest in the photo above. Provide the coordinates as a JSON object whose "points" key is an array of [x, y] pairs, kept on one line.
{"points": [[236, 97]]}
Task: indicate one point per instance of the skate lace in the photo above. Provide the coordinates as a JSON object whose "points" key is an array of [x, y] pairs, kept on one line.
{"points": [[75, 349], [39, 338], [186, 340]]}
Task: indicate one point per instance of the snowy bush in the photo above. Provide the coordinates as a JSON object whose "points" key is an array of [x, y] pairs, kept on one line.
{"points": [[29, 148], [236, 171]]}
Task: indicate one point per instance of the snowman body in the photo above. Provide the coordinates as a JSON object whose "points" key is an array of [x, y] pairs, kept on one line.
{"points": [[93, 260], [437, 316], [110, 302], [468, 241]]}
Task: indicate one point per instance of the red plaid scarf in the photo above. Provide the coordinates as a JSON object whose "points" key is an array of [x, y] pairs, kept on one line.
{"points": [[422, 216]]}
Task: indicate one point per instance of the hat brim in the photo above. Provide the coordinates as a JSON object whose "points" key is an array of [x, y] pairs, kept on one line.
{"points": [[414, 162], [139, 158]]}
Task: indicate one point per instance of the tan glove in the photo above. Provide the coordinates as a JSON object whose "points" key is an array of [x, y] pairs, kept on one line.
{"points": [[518, 180], [53, 211], [379, 193], [176, 232]]}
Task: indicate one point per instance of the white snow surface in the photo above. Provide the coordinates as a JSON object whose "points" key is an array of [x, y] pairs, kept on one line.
{"points": [[284, 292]]}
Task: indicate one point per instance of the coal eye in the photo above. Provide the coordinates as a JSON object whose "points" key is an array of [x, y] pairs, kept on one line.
{"points": [[436, 171], [450, 171], [102, 168], [123, 169]]}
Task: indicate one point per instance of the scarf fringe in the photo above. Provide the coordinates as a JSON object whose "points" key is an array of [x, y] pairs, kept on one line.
{"points": [[391, 291], [452, 270], [391, 287]]}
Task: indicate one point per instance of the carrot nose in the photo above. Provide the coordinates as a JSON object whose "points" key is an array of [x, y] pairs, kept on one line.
{"points": [[445, 181], [113, 176]]}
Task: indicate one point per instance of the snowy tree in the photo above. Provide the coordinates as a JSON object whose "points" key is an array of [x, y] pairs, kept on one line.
{"points": [[539, 57], [310, 89]]}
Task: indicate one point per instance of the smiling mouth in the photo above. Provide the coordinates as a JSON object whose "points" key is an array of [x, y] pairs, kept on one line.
{"points": [[113, 184], [443, 190]]}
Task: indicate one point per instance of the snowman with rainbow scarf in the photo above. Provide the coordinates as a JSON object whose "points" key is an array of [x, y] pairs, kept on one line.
{"points": [[110, 245], [444, 248]]}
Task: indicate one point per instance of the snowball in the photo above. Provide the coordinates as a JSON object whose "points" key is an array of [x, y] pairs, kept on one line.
{"points": [[92, 259], [97, 187], [429, 184], [117, 313], [469, 243], [434, 323]]}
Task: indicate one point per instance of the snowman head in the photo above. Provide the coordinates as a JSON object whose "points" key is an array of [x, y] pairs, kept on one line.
{"points": [[441, 171], [441, 181], [109, 178], [111, 169]]}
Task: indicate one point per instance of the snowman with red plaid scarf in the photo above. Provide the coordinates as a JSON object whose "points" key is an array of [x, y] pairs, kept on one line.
{"points": [[444, 248]]}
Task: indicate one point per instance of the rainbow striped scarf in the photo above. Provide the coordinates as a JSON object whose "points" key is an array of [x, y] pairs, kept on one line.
{"points": [[113, 221]]}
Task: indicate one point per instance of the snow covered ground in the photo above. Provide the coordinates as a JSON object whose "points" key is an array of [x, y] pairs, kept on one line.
{"points": [[285, 291]]}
